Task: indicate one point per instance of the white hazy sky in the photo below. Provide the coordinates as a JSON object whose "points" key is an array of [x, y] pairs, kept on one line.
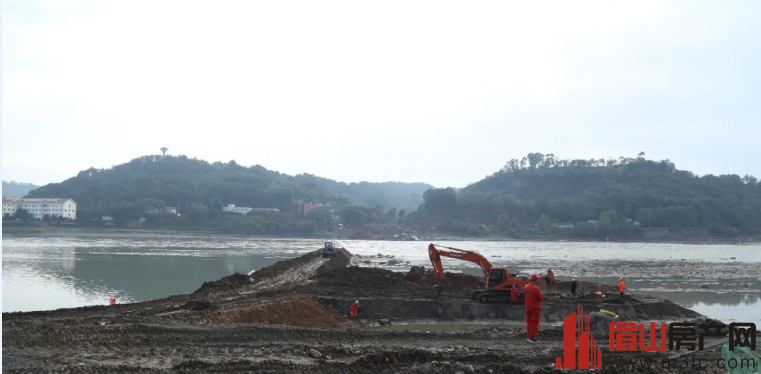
{"points": [[441, 92]]}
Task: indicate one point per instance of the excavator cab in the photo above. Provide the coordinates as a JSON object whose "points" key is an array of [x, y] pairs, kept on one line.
{"points": [[497, 276], [328, 250]]}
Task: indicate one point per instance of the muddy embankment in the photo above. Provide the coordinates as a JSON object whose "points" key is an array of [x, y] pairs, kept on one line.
{"points": [[385, 294], [407, 296], [293, 272], [292, 317], [554, 309]]}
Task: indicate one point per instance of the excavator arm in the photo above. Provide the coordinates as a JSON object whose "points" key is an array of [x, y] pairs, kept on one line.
{"points": [[435, 255], [499, 280]]}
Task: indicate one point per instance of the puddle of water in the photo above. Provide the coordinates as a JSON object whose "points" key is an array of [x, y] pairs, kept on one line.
{"points": [[726, 307]]}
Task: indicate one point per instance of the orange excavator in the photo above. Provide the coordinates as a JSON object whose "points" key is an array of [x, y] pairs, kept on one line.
{"points": [[499, 280]]}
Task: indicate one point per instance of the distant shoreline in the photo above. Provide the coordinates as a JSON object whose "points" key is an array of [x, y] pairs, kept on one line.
{"points": [[131, 234], [53, 232]]}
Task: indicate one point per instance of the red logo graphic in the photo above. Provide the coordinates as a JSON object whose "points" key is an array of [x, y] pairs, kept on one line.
{"points": [[589, 356]]}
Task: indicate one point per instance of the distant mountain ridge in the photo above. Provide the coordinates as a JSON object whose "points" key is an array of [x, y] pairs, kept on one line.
{"points": [[179, 180], [602, 198], [17, 189]]}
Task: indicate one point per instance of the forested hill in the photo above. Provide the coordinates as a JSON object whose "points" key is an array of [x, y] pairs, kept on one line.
{"points": [[543, 192], [16, 189], [184, 181]]}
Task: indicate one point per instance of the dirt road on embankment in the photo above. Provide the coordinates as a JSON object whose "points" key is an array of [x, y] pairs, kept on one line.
{"points": [[292, 318]]}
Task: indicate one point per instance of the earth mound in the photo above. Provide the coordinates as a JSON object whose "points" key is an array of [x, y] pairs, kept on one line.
{"points": [[300, 312], [227, 283], [362, 276], [281, 266], [454, 281], [417, 277], [285, 273]]}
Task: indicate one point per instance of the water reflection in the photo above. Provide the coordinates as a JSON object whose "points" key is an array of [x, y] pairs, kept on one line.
{"points": [[43, 277], [725, 307], [741, 312], [147, 277], [692, 299]]}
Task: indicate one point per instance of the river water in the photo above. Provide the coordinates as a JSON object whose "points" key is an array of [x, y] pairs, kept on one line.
{"points": [[41, 273]]}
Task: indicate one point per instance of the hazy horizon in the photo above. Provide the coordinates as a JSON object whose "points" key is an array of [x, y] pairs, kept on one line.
{"points": [[431, 92], [338, 180]]}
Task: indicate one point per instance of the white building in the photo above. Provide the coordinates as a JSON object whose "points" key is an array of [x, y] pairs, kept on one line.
{"points": [[66, 208], [266, 210], [166, 210], [231, 208]]}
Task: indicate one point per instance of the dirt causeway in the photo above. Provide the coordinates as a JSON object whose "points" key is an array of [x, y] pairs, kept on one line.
{"points": [[292, 317]]}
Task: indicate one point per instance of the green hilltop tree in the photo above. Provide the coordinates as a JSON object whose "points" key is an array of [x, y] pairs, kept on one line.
{"points": [[22, 214], [624, 195]]}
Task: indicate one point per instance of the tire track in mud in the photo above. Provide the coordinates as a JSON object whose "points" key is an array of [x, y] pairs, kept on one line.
{"points": [[118, 336], [384, 361], [145, 348], [391, 359], [204, 344]]}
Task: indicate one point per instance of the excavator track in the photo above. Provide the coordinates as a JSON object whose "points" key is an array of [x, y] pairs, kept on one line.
{"points": [[495, 297]]}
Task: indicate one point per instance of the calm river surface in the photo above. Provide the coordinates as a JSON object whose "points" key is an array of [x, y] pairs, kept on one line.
{"points": [[49, 273]]}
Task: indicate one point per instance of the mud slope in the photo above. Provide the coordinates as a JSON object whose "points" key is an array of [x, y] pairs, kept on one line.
{"points": [[298, 311], [286, 273], [554, 309]]}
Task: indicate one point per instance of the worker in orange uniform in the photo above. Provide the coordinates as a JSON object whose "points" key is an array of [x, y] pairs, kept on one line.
{"points": [[534, 297], [355, 310], [513, 294], [550, 281], [621, 286]]}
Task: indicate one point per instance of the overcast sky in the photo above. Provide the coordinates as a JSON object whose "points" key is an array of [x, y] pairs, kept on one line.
{"points": [[441, 92]]}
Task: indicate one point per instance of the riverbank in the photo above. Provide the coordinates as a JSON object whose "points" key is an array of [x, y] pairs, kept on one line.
{"points": [[147, 233], [53, 232], [292, 317]]}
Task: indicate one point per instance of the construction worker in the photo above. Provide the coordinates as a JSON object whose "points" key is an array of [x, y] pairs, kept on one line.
{"points": [[621, 286], [513, 294], [533, 297], [355, 310], [550, 281], [573, 287]]}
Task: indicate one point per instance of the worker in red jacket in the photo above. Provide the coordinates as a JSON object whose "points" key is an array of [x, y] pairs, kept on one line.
{"points": [[355, 310], [534, 297], [513, 294]]}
